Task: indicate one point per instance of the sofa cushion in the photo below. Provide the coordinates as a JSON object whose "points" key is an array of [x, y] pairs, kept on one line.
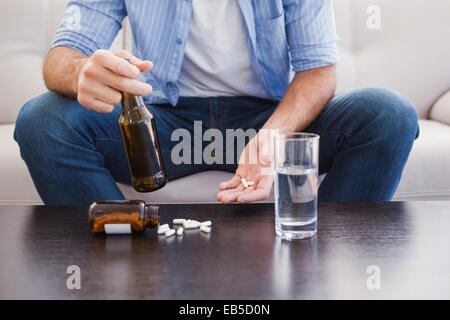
{"points": [[407, 54], [26, 32], [441, 109], [427, 175], [198, 188], [22, 33], [16, 185]]}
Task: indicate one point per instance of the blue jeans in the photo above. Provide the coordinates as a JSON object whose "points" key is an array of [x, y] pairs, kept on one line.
{"points": [[75, 155]]}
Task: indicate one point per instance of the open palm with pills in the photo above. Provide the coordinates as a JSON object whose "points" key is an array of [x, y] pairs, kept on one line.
{"points": [[254, 176]]}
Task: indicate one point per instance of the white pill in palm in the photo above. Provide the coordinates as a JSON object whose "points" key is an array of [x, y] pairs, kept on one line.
{"points": [[205, 229], [250, 183], [206, 223], [178, 221], [170, 232], [180, 231], [244, 182]]}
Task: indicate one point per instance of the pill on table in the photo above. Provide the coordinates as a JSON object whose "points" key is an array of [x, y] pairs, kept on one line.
{"points": [[250, 183], [180, 231], [178, 221], [163, 230], [164, 227], [191, 224], [206, 223], [205, 229], [170, 232], [244, 182]]}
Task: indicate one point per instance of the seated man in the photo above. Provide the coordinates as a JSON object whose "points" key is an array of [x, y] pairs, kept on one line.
{"points": [[267, 64]]}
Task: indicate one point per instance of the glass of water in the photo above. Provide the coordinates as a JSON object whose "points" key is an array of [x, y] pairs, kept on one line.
{"points": [[296, 161]]}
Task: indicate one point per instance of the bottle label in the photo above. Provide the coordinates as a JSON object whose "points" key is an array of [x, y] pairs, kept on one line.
{"points": [[122, 228]]}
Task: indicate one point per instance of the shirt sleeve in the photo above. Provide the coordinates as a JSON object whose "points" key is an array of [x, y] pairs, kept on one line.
{"points": [[89, 25], [311, 33]]}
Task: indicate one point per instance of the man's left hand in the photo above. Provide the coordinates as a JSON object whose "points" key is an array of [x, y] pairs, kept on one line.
{"points": [[254, 165]]}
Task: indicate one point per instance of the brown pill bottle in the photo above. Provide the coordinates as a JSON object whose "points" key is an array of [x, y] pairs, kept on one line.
{"points": [[122, 217]]}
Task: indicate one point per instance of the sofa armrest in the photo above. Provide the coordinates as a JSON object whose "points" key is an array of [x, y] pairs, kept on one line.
{"points": [[440, 111]]}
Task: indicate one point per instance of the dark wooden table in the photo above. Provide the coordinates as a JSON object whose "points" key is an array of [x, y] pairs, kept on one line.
{"points": [[241, 259]]}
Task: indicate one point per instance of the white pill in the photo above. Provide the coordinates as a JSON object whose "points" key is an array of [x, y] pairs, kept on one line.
{"points": [[244, 182], [205, 229], [170, 233], [191, 224], [180, 231], [164, 227], [206, 223], [178, 221], [250, 183], [163, 230]]}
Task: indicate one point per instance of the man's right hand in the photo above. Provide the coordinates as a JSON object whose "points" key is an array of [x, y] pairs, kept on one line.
{"points": [[103, 76]]}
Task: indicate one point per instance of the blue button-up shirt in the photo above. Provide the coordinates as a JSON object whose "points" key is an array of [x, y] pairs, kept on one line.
{"points": [[284, 36]]}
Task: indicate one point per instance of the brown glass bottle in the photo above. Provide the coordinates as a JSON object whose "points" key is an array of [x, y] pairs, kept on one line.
{"points": [[138, 130], [122, 217]]}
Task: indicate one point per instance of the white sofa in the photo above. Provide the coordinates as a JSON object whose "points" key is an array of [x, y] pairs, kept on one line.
{"points": [[409, 54]]}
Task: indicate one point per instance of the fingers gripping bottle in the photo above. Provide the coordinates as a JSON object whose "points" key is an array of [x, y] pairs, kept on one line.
{"points": [[140, 140]]}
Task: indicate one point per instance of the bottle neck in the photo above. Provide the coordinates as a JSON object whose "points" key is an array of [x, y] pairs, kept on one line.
{"points": [[130, 101], [151, 216]]}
